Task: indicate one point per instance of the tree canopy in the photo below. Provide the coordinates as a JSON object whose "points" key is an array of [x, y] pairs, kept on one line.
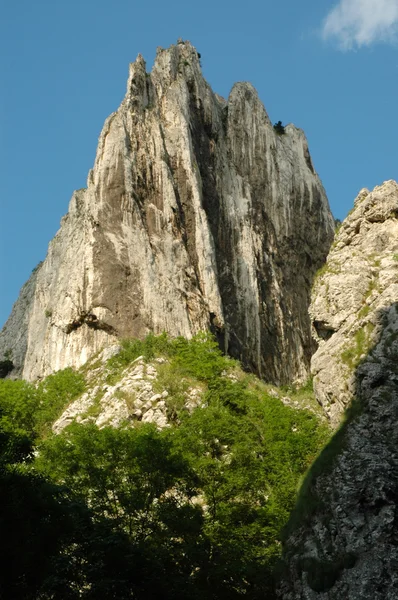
{"points": [[193, 510]]}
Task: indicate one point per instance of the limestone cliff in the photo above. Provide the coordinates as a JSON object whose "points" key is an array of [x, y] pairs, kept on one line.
{"points": [[196, 215], [359, 279], [342, 540]]}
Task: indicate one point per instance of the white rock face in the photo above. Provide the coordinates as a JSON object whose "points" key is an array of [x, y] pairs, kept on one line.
{"points": [[360, 280], [196, 215]]}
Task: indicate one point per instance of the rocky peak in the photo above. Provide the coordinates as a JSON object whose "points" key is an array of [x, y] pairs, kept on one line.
{"points": [[197, 215]]}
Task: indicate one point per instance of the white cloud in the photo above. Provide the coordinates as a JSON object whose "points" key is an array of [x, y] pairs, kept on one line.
{"points": [[356, 23]]}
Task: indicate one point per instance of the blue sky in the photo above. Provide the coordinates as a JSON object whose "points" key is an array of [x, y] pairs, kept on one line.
{"points": [[329, 67]]}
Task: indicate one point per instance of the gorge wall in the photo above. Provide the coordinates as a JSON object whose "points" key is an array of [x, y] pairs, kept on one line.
{"points": [[196, 215], [342, 540], [359, 280]]}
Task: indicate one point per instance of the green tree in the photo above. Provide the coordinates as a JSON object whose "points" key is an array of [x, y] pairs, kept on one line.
{"points": [[136, 481], [19, 404], [279, 128], [33, 409], [6, 366], [249, 455], [38, 523]]}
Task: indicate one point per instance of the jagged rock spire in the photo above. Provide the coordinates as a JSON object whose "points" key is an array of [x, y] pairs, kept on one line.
{"points": [[196, 215]]}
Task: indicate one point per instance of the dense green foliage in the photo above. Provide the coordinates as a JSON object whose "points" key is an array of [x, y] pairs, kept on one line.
{"points": [[33, 409], [36, 521], [194, 510]]}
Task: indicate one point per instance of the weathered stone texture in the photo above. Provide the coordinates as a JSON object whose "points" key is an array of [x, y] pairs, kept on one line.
{"points": [[343, 541], [359, 280], [345, 546], [196, 215]]}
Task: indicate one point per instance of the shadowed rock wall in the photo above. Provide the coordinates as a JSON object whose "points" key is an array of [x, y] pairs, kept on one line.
{"points": [[343, 540]]}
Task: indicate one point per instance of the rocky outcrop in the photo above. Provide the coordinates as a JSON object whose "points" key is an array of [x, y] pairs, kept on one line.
{"points": [[359, 280], [151, 391], [134, 396], [343, 540], [197, 215]]}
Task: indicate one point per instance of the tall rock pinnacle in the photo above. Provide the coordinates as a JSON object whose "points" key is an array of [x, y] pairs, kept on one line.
{"points": [[196, 215]]}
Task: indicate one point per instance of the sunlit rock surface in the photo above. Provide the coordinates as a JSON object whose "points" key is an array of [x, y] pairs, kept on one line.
{"points": [[196, 215], [359, 279]]}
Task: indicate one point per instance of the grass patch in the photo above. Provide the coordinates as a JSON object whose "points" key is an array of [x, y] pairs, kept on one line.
{"points": [[327, 268], [199, 357], [94, 409], [374, 259], [128, 397], [360, 346], [322, 271], [149, 348], [373, 285], [305, 397], [170, 380], [365, 310]]}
